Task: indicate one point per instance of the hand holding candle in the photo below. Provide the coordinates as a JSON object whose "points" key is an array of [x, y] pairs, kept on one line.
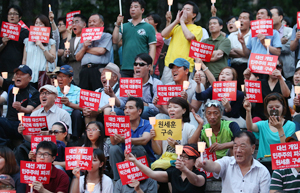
{"points": [[66, 90], [178, 149], [31, 188], [170, 3], [201, 149], [20, 116], [268, 43], [208, 133], [297, 90], [15, 92], [49, 8], [55, 83], [67, 46], [112, 103], [186, 85], [152, 121], [213, 2], [108, 77], [4, 75], [90, 187], [238, 25], [197, 66], [243, 87]]}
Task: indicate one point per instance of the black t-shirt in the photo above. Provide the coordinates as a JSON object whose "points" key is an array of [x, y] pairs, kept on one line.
{"points": [[27, 96], [179, 186], [12, 54], [61, 46]]}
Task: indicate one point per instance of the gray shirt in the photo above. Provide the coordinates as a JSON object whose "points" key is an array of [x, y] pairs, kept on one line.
{"points": [[148, 186], [104, 42]]}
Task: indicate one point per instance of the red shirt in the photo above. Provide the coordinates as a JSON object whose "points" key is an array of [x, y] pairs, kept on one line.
{"points": [[159, 46]]}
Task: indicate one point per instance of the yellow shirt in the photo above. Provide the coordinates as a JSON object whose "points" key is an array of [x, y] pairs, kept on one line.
{"points": [[179, 46]]}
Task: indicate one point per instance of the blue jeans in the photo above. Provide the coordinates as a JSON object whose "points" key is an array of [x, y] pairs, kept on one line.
{"points": [[8, 130]]}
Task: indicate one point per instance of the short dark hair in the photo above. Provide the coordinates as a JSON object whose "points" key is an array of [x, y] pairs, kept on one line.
{"points": [[250, 14], [156, 19], [99, 15], [145, 57], [249, 134], [231, 17], [138, 102], [279, 10], [82, 17], [16, 7], [141, 2], [49, 145], [275, 97], [195, 7], [287, 20], [268, 11], [217, 18], [184, 105], [63, 19]]}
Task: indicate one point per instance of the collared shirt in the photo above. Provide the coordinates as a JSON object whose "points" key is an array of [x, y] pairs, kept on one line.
{"points": [[191, 89], [73, 96], [104, 42], [294, 37], [104, 97], [53, 115], [147, 95], [256, 180], [285, 180], [233, 37]]}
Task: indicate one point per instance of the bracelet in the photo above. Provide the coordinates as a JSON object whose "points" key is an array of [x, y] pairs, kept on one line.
{"points": [[118, 26], [205, 69], [51, 22], [281, 135]]}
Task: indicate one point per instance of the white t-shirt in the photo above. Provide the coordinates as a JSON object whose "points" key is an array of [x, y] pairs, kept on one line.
{"points": [[77, 39], [107, 185]]}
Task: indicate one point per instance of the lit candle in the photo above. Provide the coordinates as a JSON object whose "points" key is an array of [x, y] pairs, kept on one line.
{"points": [[208, 133], [243, 87], [66, 90], [238, 25], [67, 46], [112, 103], [178, 149], [55, 82], [298, 135], [197, 66], [213, 2], [201, 149], [31, 188], [152, 120], [90, 187], [4, 75], [297, 90], [20, 115], [186, 85], [49, 8], [15, 92], [170, 3], [108, 77], [268, 43]]}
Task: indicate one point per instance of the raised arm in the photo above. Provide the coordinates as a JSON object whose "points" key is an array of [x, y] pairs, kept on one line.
{"points": [[250, 125], [208, 165]]}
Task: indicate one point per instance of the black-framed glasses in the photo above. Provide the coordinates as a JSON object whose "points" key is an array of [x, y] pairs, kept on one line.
{"points": [[45, 93], [60, 24], [45, 155], [55, 132], [141, 64]]}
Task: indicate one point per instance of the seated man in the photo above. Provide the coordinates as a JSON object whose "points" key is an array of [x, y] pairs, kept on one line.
{"points": [[241, 172], [140, 135], [59, 180], [142, 65], [26, 100]]}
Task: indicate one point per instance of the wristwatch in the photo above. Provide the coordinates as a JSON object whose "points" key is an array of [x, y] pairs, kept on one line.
{"points": [[116, 24]]}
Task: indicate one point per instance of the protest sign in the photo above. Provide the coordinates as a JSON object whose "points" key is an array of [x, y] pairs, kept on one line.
{"points": [[262, 63], [116, 124], [133, 86], [89, 99], [298, 20], [41, 34], [58, 102], [91, 33], [70, 16], [35, 140], [225, 89], [128, 171], [128, 141], [12, 31], [166, 92], [285, 155], [263, 26], [33, 124], [253, 91], [23, 25], [79, 156], [201, 50], [209, 156], [35, 171], [165, 128]]}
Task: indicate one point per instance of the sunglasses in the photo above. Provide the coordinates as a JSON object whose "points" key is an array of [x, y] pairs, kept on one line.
{"points": [[209, 104], [55, 132], [139, 63]]}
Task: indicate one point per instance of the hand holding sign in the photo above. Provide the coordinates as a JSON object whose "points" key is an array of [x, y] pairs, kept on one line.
{"points": [[201, 50], [224, 89], [91, 34], [168, 128], [11, 31], [263, 64]]}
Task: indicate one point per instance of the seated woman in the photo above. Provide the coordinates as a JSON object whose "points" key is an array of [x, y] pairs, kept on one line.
{"points": [[232, 108], [184, 177], [293, 101]]}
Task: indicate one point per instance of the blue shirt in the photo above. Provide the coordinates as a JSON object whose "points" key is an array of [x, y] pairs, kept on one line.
{"points": [[144, 126], [73, 96], [294, 37]]}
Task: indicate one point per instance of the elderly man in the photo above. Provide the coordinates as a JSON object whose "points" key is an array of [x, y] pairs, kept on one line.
{"points": [[241, 172], [223, 131], [93, 55], [26, 100]]}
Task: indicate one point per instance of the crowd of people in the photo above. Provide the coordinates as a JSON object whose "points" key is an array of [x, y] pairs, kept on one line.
{"points": [[242, 132]]}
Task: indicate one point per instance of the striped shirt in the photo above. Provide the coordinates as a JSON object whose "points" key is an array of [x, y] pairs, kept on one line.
{"points": [[287, 180]]}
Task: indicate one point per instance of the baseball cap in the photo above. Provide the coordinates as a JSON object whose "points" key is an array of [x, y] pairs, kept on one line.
{"points": [[24, 68], [112, 67], [49, 88], [66, 69], [292, 137], [7, 180], [180, 62]]}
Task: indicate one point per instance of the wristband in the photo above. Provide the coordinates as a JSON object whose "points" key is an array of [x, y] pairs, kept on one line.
{"points": [[205, 69]]}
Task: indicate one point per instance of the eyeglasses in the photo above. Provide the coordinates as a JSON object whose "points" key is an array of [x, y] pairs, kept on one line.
{"points": [[230, 22], [45, 93], [45, 155], [60, 24], [93, 130], [185, 157], [209, 104], [55, 132], [139, 63], [13, 14]]}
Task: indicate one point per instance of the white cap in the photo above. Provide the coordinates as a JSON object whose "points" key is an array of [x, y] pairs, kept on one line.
{"points": [[49, 88]]}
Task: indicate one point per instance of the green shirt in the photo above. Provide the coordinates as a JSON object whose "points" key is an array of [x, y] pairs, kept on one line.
{"points": [[221, 43], [136, 40], [286, 180]]}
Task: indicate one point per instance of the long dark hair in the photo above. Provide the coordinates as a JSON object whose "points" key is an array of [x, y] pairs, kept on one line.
{"points": [[184, 104], [11, 167], [97, 153], [100, 141]]}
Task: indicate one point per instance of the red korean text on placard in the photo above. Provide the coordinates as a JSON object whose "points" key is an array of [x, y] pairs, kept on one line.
{"points": [[253, 91], [58, 102], [33, 124], [201, 50], [225, 89], [298, 20], [128, 141], [209, 156], [79, 156], [285, 155], [91, 33], [41, 34], [70, 16], [89, 99], [35, 140], [166, 92], [116, 124], [23, 25], [262, 63], [263, 26], [12, 31], [35, 171], [133, 86], [128, 171]]}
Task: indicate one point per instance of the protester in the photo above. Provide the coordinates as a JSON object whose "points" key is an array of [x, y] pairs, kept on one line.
{"points": [[103, 184], [294, 100], [6, 183], [241, 172], [231, 27], [295, 41], [65, 35]]}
